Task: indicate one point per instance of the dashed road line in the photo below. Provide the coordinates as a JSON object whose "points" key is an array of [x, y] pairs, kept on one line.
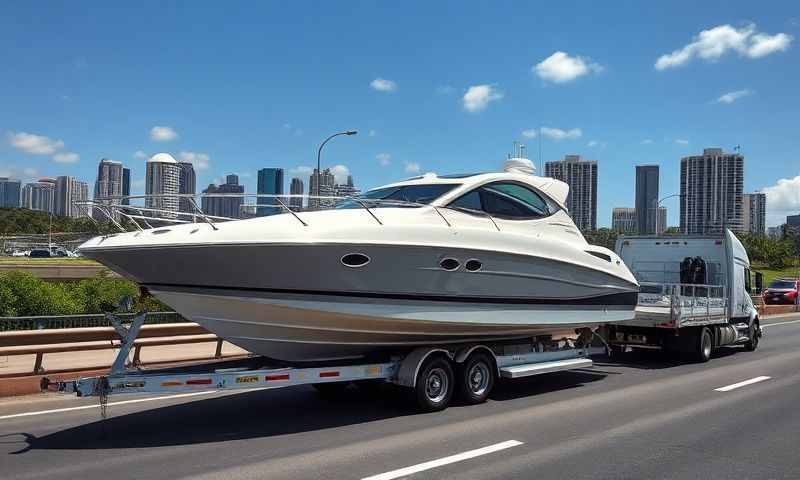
{"points": [[779, 323], [734, 386]]}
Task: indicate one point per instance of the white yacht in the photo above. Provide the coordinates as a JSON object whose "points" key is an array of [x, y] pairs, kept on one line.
{"points": [[429, 260]]}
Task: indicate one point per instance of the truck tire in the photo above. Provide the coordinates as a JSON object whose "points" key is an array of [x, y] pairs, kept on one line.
{"points": [[704, 345], [476, 378], [754, 333], [434, 386]]}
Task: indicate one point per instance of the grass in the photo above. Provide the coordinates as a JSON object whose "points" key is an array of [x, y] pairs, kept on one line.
{"points": [[770, 275], [25, 261]]}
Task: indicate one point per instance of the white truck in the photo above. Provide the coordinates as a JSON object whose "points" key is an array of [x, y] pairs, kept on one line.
{"points": [[694, 295]]}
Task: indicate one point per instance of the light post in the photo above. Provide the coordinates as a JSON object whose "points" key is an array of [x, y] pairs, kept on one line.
{"points": [[657, 203], [319, 153]]}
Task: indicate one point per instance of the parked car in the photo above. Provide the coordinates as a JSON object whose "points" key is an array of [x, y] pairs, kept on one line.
{"points": [[40, 253], [782, 291]]}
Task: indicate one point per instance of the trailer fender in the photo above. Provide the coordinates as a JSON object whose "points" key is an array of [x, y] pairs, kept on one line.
{"points": [[464, 353], [409, 367]]}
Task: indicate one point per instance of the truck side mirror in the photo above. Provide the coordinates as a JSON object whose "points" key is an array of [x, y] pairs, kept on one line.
{"points": [[759, 282]]}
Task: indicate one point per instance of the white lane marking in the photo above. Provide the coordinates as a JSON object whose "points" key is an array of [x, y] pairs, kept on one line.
{"points": [[444, 461], [123, 402], [779, 323], [734, 386]]}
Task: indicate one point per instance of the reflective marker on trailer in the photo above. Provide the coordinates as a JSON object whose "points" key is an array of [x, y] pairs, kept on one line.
{"points": [[274, 377], [172, 383], [199, 381], [328, 374]]}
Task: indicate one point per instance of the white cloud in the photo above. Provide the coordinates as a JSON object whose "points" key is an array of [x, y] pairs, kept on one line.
{"points": [[199, 160], [139, 155], [647, 141], [66, 157], [30, 172], [384, 159], [596, 143], [681, 141], [163, 134], [530, 133], [340, 173], [301, 170], [478, 97], [445, 90], [411, 167], [731, 97], [782, 198], [710, 45], [559, 134], [34, 144], [383, 85], [561, 68]]}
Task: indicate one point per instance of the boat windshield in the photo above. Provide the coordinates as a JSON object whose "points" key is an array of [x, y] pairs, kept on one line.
{"points": [[421, 193]]}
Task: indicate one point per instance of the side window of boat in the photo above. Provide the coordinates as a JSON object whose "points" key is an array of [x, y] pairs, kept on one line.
{"points": [[469, 201], [513, 201]]}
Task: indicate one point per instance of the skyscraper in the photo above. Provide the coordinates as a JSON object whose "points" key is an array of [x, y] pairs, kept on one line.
{"points": [[296, 188], [646, 198], [126, 185], [754, 213], [39, 195], [321, 185], [162, 179], [346, 190], [109, 184], [270, 182], [10, 192], [68, 190], [581, 176], [623, 220], [711, 192], [229, 207], [662, 219], [186, 186]]}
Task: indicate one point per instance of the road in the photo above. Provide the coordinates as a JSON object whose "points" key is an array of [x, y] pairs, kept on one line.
{"points": [[647, 417]]}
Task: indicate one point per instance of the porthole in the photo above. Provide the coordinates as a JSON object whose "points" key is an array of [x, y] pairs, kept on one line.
{"points": [[355, 260], [449, 264], [473, 265]]}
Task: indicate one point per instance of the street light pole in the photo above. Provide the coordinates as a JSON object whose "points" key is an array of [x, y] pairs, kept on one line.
{"points": [[657, 203], [319, 152]]}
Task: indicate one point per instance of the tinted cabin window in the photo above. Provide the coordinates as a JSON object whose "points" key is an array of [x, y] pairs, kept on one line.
{"points": [[470, 201], [504, 200], [406, 193]]}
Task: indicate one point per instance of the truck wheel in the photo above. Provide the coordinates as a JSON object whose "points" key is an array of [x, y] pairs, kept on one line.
{"points": [[704, 345], [754, 335], [434, 386], [476, 378]]}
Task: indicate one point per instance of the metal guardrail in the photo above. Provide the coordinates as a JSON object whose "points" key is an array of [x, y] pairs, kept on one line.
{"points": [[10, 324]]}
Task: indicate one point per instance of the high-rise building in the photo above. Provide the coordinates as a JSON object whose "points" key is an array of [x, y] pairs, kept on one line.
{"points": [[581, 176], [126, 185], [754, 213], [321, 185], [624, 220], [711, 192], [296, 188], [108, 185], [186, 186], [347, 189], [793, 220], [646, 198], [229, 207], [662, 219], [10, 192], [68, 190], [162, 179], [270, 182], [39, 195]]}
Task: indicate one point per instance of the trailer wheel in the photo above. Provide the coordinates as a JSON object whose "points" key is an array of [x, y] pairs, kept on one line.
{"points": [[703, 345], [754, 333], [476, 377], [434, 386]]}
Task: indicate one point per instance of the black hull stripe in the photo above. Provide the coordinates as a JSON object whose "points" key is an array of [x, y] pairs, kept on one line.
{"points": [[616, 299]]}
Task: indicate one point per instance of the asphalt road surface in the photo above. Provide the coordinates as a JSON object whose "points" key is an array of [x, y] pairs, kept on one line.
{"points": [[737, 416]]}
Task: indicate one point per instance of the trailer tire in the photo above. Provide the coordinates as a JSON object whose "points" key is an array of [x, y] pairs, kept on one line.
{"points": [[704, 345], [434, 386], [754, 333], [476, 378]]}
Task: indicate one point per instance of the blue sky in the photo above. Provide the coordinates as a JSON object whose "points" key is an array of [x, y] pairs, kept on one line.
{"points": [[442, 86]]}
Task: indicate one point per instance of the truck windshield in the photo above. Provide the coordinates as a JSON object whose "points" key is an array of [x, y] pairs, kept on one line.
{"points": [[423, 193]]}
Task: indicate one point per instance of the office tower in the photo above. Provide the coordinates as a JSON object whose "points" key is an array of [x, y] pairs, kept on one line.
{"points": [[321, 185], [296, 188], [163, 181], [126, 185], [646, 198], [39, 195], [581, 176], [67, 192], [10, 192], [228, 207], [346, 190], [662, 219], [711, 192], [270, 182], [624, 220], [754, 213], [793, 220], [186, 186], [109, 184]]}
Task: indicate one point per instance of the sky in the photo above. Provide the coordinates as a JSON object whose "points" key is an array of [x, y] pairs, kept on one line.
{"points": [[440, 87]]}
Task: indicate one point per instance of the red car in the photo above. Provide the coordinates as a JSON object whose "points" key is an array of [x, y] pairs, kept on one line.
{"points": [[782, 291]]}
